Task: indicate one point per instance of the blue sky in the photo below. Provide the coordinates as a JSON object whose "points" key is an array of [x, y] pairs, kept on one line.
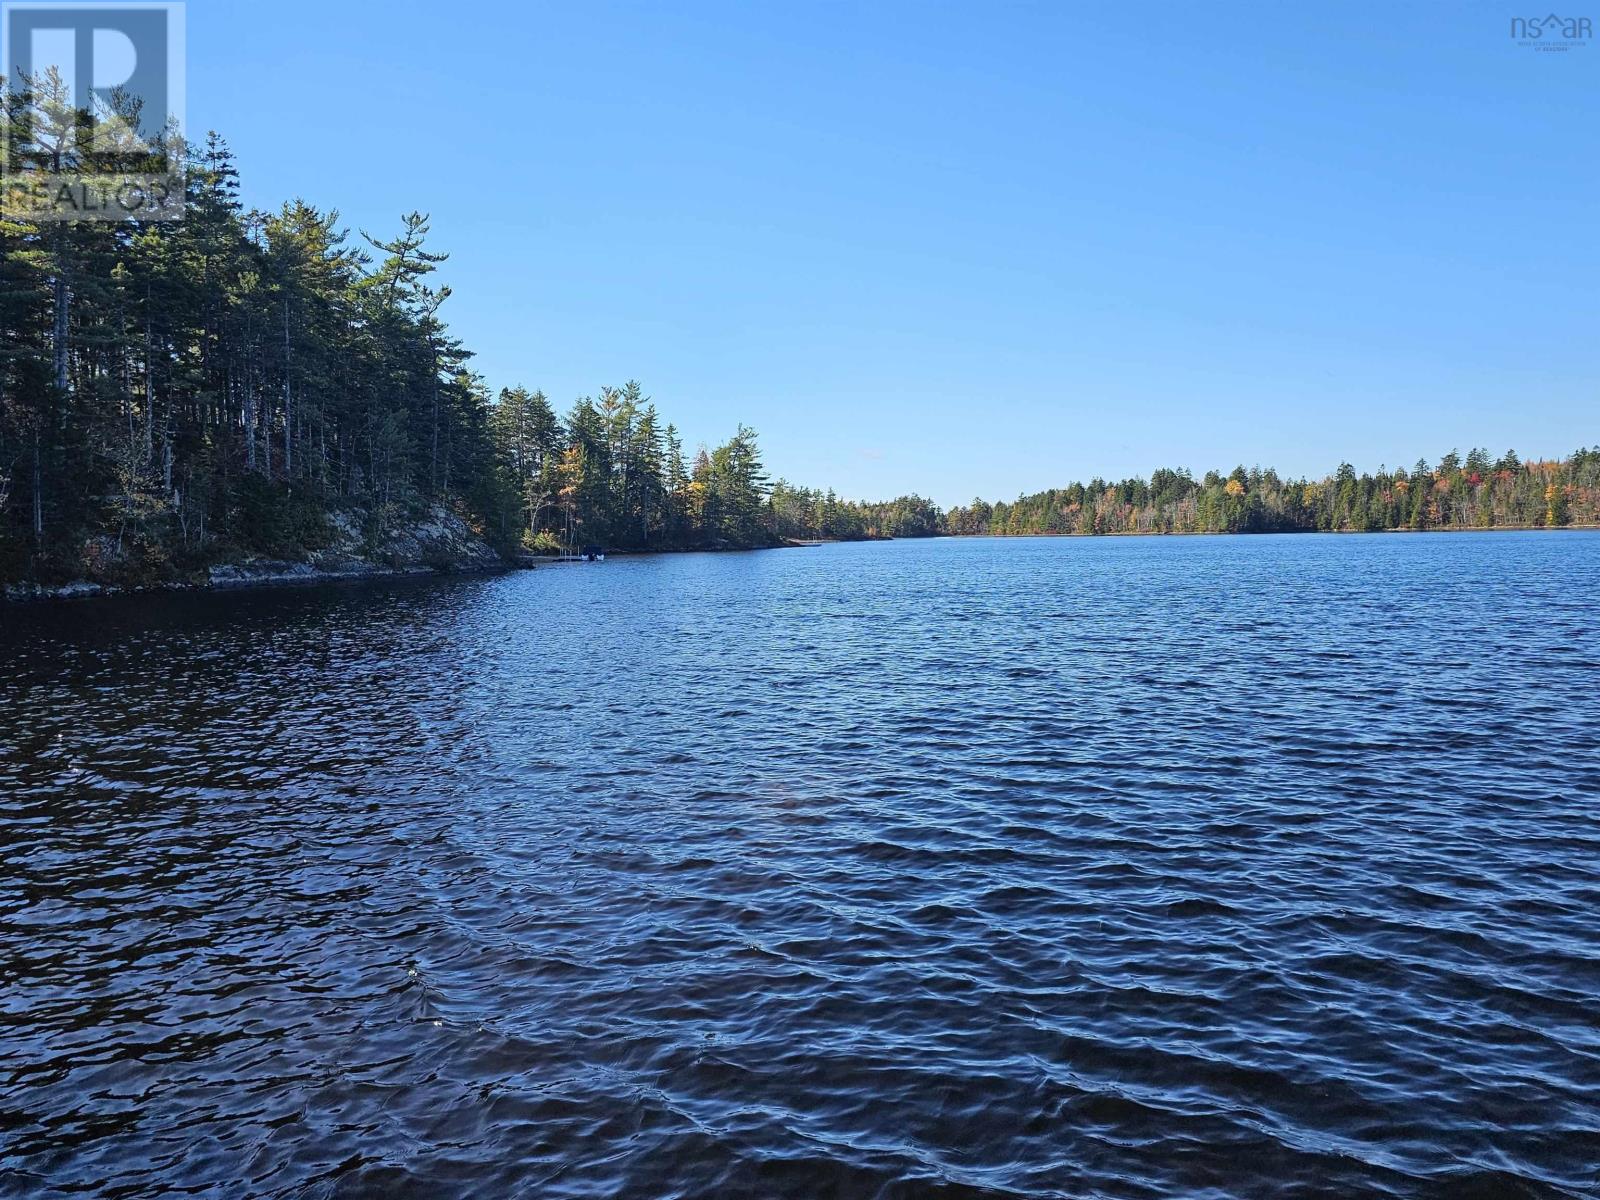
{"points": [[971, 248]]}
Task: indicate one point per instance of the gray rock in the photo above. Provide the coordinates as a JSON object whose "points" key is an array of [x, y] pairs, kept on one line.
{"points": [[438, 541]]}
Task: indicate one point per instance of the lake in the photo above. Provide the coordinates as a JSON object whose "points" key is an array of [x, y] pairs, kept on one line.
{"points": [[1123, 867]]}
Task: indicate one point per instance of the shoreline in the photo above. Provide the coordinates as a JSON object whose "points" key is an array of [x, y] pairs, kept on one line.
{"points": [[237, 577], [434, 540], [258, 574], [262, 574], [1160, 533]]}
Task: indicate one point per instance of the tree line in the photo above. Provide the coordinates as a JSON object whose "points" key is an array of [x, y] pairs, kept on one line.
{"points": [[181, 392], [172, 392], [1479, 491], [177, 393], [808, 514], [609, 473]]}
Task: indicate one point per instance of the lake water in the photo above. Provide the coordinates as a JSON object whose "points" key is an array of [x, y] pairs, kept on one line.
{"points": [[1118, 867]]}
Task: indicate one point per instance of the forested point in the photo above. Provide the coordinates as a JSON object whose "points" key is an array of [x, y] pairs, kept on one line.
{"points": [[609, 473], [246, 384], [1477, 492]]}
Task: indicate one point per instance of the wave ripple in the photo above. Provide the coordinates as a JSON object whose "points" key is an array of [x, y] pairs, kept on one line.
{"points": [[1126, 868]]}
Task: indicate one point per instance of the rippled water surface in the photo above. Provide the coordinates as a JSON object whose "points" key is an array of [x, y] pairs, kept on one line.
{"points": [[1123, 867]]}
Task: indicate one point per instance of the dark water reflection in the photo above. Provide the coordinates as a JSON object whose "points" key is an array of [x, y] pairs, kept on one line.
{"points": [[1135, 868]]}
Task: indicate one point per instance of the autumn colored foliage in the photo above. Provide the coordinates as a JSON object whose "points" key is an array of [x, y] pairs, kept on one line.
{"points": [[1477, 492]]}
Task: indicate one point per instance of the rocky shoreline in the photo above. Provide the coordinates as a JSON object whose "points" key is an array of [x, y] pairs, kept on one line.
{"points": [[438, 543]]}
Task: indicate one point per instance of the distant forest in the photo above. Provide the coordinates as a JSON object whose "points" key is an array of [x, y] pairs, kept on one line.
{"points": [[1479, 491]]}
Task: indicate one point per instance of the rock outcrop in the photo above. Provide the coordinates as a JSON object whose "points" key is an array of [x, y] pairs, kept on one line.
{"points": [[438, 542]]}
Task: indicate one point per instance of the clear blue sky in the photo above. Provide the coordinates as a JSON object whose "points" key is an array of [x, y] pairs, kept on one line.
{"points": [[978, 248]]}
